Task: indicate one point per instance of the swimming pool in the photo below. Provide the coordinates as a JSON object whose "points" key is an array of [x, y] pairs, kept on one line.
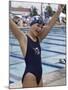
{"points": [[53, 48]]}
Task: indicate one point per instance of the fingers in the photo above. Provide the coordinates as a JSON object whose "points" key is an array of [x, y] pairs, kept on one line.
{"points": [[60, 7]]}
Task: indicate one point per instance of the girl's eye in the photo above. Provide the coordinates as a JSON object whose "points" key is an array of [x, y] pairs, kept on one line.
{"points": [[38, 25]]}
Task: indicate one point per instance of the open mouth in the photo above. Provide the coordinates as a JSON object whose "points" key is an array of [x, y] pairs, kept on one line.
{"points": [[38, 31]]}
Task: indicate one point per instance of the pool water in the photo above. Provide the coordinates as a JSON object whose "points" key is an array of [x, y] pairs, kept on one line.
{"points": [[53, 48]]}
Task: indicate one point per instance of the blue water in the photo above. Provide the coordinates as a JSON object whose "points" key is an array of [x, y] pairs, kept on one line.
{"points": [[53, 48]]}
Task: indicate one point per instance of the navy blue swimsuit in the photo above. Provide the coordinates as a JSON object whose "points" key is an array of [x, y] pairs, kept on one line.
{"points": [[33, 59]]}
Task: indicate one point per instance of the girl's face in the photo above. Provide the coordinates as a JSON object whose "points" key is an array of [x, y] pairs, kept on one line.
{"points": [[36, 29]]}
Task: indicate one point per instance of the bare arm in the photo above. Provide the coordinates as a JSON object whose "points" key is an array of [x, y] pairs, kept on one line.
{"points": [[20, 36], [47, 28], [15, 30]]}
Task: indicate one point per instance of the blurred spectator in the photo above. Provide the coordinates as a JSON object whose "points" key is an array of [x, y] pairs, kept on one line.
{"points": [[16, 19], [62, 18]]}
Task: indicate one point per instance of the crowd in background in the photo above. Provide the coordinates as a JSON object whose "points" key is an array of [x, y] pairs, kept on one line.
{"points": [[25, 20]]}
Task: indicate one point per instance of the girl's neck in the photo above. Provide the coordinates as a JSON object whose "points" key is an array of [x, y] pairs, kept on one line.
{"points": [[32, 36]]}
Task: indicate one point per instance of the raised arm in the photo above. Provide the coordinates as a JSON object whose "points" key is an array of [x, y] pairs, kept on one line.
{"points": [[15, 30], [47, 28], [20, 36]]}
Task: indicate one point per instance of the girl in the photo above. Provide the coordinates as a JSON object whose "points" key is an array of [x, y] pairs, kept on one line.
{"points": [[30, 46]]}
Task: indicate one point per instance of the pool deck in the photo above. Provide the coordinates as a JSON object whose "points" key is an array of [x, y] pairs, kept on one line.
{"points": [[56, 78]]}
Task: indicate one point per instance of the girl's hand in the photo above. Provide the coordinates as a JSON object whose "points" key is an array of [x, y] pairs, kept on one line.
{"points": [[60, 7]]}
